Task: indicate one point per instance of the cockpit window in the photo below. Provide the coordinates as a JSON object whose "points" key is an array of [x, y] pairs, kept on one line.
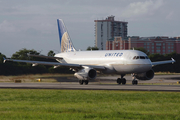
{"points": [[137, 57], [140, 57], [146, 57]]}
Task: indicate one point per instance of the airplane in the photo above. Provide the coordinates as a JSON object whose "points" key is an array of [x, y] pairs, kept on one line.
{"points": [[86, 64]]}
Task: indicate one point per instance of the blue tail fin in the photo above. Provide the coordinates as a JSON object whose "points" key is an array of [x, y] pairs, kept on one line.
{"points": [[65, 41]]}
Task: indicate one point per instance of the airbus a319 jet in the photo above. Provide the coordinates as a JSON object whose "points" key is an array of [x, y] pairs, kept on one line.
{"points": [[86, 64]]}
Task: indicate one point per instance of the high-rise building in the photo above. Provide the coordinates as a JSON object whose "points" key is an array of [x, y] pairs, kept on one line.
{"points": [[107, 30]]}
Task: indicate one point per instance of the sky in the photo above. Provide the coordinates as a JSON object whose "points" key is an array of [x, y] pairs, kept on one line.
{"points": [[33, 24]]}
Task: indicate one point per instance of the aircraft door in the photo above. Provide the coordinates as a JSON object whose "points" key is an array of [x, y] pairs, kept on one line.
{"points": [[125, 59]]}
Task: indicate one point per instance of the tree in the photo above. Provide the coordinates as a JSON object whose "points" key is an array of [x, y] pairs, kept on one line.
{"points": [[156, 57], [26, 68], [51, 53], [1, 58], [92, 48], [23, 54]]}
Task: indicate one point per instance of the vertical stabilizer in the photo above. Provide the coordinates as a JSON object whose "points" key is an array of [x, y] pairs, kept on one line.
{"points": [[65, 41]]}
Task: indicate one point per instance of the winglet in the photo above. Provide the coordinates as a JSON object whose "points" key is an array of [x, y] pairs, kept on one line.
{"points": [[173, 61], [4, 60]]}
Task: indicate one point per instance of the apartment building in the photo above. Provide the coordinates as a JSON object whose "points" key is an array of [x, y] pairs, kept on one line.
{"points": [[107, 30], [158, 44]]}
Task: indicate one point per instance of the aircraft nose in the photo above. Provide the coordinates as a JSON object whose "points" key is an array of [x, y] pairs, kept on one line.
{"points": [[149, 64]]}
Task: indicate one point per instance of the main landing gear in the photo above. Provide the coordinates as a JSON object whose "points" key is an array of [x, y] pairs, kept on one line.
{"points": [[121, 80], [83, 81]]}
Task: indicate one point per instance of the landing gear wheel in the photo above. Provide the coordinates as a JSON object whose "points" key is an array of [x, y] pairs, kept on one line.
{"points": [[123, 81], [134, 82], [119, 81], [81, 82], [86, 82]]}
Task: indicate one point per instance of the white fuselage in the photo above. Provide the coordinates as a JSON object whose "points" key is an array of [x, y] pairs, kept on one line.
{"points": [[115, 61]]}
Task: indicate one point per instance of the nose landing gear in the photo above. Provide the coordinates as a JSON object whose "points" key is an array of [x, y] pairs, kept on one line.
{"points": [[83, 81], [134, 82]]}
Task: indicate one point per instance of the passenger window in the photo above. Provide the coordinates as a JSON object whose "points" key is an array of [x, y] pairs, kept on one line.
{"points": [[137, 57]]}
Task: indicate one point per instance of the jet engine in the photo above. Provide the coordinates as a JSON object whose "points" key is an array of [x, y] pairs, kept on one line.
{"points": [[86, 74], [146, 75]]}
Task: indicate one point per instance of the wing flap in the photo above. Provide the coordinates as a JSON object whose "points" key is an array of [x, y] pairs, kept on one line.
{"points": [[95, 67]]}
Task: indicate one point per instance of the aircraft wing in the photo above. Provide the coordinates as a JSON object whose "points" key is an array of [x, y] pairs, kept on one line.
{"points": [[56, 64], [163, 62], [42, 56]]}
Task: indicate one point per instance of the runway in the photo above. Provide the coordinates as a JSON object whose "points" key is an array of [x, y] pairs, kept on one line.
{"points": [[90, 86], [169, 83]]}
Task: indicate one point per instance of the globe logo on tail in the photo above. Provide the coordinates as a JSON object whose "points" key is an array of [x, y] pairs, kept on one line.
{"points": [[65, 41]]}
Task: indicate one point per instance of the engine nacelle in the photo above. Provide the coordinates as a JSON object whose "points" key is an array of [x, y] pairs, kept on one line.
{"points": [[86, 74], [146, 75]]}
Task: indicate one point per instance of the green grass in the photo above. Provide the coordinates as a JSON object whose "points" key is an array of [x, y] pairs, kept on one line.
{"points": [[88, 104], [166, 73]]}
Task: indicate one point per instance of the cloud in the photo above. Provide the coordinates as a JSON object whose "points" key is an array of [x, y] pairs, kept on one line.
{"points": [[26, 20], [142, 8]]}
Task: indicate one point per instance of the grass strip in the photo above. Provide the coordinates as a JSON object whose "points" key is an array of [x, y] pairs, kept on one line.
{"points": [[88, 104]]}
